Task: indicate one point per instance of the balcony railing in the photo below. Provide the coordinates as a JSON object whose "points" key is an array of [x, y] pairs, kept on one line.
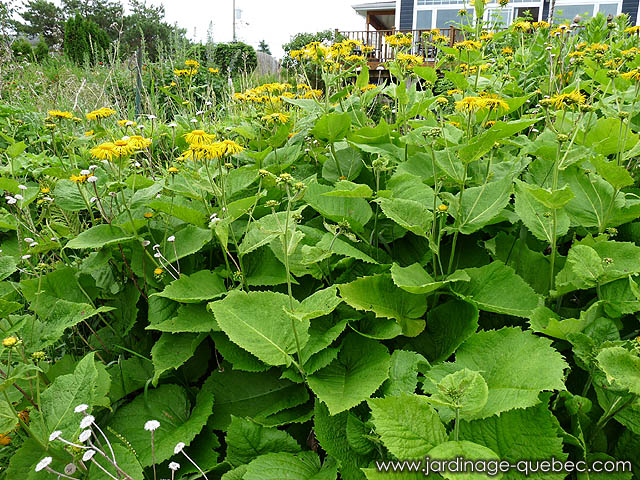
{"points": [[383, 52]]}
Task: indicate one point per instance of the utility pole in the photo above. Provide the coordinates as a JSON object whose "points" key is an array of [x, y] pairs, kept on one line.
{"points": [[234, 21]]}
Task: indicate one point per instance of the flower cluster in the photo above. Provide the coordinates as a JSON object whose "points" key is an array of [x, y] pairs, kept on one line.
{"points": [[103, 112]]}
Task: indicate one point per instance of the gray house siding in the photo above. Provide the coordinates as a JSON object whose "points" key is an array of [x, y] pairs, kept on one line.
{"points": [[406, 14], [630, 7]]}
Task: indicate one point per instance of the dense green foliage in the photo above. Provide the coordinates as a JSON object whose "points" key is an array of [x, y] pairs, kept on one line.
{"points": [[84, 40], [289, 283], [235, 57]]}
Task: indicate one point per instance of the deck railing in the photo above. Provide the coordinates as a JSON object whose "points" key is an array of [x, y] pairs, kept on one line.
{"points": [[383, 52]]}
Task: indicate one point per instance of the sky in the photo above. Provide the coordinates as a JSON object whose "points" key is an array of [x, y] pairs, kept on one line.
{"points": [[274, 21]]}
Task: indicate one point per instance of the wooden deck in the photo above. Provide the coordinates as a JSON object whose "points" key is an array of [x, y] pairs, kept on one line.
{"points": [[383, 52]]}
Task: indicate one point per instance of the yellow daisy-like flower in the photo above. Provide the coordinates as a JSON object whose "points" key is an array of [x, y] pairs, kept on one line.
{"points": [[185, 72], [467, 45], [634, 29], [138, 142], [127, 123], [213, 70], [60, 114], [454, 123], [469, 104], [192, 63], [122, 148], [276, 118], [199, 137], [103, 112], [486, 36], [104, 151], [564, 100], [409, 60], [368, 87], [632, 75], [10, 342], [172, 170], [598, 47], [148, 215], [494, 102], [45, 190], [5, 439], [88, 133], [541, 24], [507, 51], [522, 26], [78, 178], [229, 147], [454, 91], [158, 272], [576, 54]]}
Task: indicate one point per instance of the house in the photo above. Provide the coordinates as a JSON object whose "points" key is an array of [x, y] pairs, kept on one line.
{"points": [[407, 15]]}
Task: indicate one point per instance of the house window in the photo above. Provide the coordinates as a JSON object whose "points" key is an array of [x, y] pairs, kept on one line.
{"points": [[499, 17], [569, 12], [447, 18], [608, 9], [423, 19]]}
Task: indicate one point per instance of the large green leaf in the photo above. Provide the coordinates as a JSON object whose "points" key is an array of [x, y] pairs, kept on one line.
{"points": [[247, 440], [361, 367], [403, 372], [355, 211], [88, 384], [178, 421], [415, 279], [258, 322], [408, 214], [448, 326], [258, 396], [332, 127], [537, 217], [100, 236], [469, 451], [621, 367], [531, 433], [8, 265], [497, 355], [408, 426], [379, 294], [497, 288], [291, 466], [480, 205], [172, 350], [198, 287]]}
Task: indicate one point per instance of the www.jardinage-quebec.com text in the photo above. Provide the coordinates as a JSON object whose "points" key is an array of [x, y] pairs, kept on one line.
{"points": [[492, 468]]}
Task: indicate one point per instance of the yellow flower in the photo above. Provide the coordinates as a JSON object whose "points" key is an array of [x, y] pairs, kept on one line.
{"points": [[10, 342], [173, 84], [409, 60], [158, 271], [368, 87], [127, 123], [454, 123], [172, 170], [563, 100], [88, 133], [59, 114], [121, 148], [78, 178], [192, 63], [522, 26], [454, 91], [229, 147], [276, 118], [442, 101], [138, 142], [45, 190], [507, 51], [491, 101], [199, 137], [576, 54], [213, 70], [185, 72], [443, 208], [468, 45], [632, 75], [103, 112], [104, 151], [635, 29], [489, 123], [486, 36], [598, 47], [469, 104], [148, 215], [399, 40], [5, 439], [541, 24]]}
